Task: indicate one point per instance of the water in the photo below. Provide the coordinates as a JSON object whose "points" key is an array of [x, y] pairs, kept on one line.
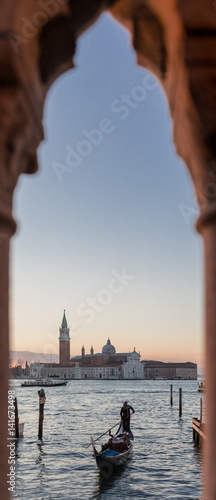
{"points": [[165, 465]]}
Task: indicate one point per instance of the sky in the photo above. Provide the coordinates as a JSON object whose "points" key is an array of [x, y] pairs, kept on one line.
{"points": [[106, 226]]}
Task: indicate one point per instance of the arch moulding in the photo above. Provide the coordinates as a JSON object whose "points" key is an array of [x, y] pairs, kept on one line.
{"points": [[176, 40]]}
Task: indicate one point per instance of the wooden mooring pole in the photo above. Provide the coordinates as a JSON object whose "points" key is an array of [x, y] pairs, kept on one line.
{"points": [[16, 419], [201, 410], [180, 401], [198, 431], [42, 399], [171, 395]]}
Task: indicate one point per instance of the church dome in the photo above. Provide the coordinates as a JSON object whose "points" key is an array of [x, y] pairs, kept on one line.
{"points": [[108, 348]]}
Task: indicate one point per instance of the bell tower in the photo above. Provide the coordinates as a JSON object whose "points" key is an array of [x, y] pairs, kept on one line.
{"points": [[64, 342]]}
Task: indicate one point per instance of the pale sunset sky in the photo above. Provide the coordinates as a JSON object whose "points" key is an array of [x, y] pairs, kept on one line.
{"points": [[106, 227]]}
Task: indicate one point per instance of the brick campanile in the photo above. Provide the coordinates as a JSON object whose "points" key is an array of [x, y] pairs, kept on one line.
{"points": [[64, 342]]}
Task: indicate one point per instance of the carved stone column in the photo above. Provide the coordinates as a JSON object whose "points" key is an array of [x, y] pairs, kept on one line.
{"points": [[176, 39], [18, 141], [207, 227], [4, 357], [37, 43], [199, 21]]}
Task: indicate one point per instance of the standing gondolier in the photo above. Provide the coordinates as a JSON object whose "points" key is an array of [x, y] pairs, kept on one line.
{"points": [[125, 416]]}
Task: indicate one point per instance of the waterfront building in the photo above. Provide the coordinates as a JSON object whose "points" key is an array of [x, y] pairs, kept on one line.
{"points": [[107, 364], [133, 368], [158, 370], [110, 364], [36, 370]]}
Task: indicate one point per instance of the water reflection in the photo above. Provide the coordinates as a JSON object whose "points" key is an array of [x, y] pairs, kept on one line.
{"points": [[41, 468], [165, 464], [197, 452], [103, 484]]}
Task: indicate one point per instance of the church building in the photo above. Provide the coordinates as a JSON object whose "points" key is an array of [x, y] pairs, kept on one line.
{"points": [[107, 364]]}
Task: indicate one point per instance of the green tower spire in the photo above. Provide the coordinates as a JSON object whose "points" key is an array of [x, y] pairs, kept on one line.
{"points": [[64, 321]]}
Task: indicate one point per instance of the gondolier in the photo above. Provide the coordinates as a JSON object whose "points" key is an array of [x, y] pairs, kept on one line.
{"points": [[125, 416], [117, 450]]}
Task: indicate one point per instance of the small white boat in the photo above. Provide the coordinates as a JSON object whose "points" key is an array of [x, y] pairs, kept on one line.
{"points": [[44, 382], [114, 453], [201, 386]]}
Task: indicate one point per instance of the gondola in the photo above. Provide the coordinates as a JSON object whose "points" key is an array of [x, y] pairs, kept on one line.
{"points": [[115, 452]]}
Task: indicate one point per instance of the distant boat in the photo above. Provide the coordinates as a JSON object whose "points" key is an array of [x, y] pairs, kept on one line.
{"points": [[43, 382], [201, 386], [115, 452], [160, 378]]}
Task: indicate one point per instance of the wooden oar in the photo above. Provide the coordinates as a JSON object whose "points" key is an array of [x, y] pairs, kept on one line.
{"points": [[104, 433], [109, 430]]}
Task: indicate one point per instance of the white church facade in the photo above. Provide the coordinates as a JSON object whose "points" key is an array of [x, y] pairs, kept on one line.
{"points": [[107, 364]]}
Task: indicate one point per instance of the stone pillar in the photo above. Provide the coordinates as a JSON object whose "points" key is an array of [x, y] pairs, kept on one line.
{"points": [[15, 157], [176, 39], [206, 225], [37, 43], [4, 358], [199, 21]]}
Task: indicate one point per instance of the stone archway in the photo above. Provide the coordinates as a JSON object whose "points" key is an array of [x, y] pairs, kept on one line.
{"points": [[176, 39]]}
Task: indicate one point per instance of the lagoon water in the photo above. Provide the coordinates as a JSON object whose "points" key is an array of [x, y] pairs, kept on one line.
{"points": [[165, 465]]}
